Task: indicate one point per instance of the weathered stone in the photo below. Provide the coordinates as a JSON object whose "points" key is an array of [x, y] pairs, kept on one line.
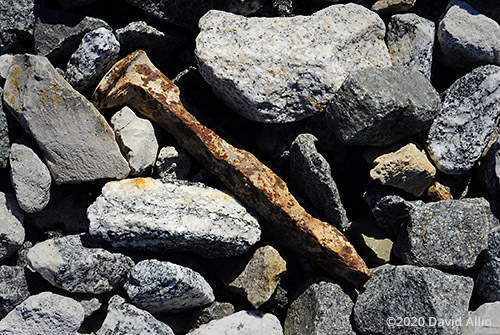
{"points": [[126, 319], [72, 4], [11, 225], [173, 163], [261, 276], [385, 7], [488, 280], [410, 39], [29, 176], [16, 22], [380, 107], [438, 191], [77, 263], [310, 173], [13, 288], [467, 38], [242, 323], [6, 61], [215, 311], [471, 110], [4, 136], [483, 321], [414, 292], [77, 142], [285, 69], [372, 241], [172, 216], [324, 307], [137, 140], [44, 313], [166, 287]]}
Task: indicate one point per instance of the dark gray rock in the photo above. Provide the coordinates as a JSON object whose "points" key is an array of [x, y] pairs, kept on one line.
{"points": [[17, 22], [4, 136], [324, 307], [215, 311], [461, 132], [488, 280], [11, 225], [488, 170], [77, 263], [311, 175], [72, 4], [408, 291], [13, 288], [383, 106], [493, 243]]}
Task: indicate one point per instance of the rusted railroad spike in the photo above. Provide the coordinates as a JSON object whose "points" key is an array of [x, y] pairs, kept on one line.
{"points": [[136, 82]]}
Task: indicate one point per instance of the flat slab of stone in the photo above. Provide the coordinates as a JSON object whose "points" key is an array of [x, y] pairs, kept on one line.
{"points": [[76, 141], [11, 225]]}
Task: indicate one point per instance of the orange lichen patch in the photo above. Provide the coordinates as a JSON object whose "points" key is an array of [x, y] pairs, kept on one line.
{"points": [[143, 183]]}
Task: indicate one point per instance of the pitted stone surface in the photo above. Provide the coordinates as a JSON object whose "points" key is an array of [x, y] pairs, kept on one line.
{"points": [[11, 225]]}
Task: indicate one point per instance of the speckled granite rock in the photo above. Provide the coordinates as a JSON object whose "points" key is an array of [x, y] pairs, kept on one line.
{"points": [[384, 7], [126, 319], [215, 311], [172, 216], [410, 39], [44, 313], [380, 107], [285, 69], [412, 292], [323, 308], [77, 263], [483, 321], [471, 110], [488, 280], [11, 225], [17, 21], [13, 288], [173, 162], [310, 173], [4, 136], [78, 146], [493, 243], [166, 287]]}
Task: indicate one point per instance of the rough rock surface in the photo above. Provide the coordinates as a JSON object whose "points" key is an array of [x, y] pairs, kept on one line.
{"points": [[390, 210], [17, 21], [29, 176], [77, 263], [215, 311], [285, 69], [261, 276], [471, 110], [323, 308], [468, 38], [4, 136], [483, 321], [380, 107], [172, 216], [44, 313], [384, 7], [137, 140], [488, 280], [408, 291], [126, 319], [374, 244], [410, 39], [311, 174], [11, 225], [242, 323], [13, 288], [173, 162], [77, 142], [166, 287]]}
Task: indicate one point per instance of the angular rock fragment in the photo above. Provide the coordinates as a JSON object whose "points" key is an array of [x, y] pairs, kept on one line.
{"points": [[483, 320], [380, 107], [4, 136], [44, 313], [471, 110], [488, 280], [11, 225], [77, 263], [17, 21], [166, 287], [372, 241], [77, 142], [384, 7], [285, 69], [172, 216], [215, 311], [173, 162], [13, 288], [414, 292]]}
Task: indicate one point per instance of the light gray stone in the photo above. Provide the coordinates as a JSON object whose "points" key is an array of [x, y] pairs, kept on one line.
{"points": [[384, 7], [72, 4], [89, 302], [488, 280], [167, 287], [483, 321], [460, 134], [44, 313], [137, 140], [172, 216], [76, 141], [6, 61], [11, 225], [4, 136], [77, 263], [17, 21], [285, 69], [13, 288], [173, 163]]}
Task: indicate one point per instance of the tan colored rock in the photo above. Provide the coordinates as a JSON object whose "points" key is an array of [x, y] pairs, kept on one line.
{"points": [[392, 6], [403, 166], [372, 242], [438, 191], [261, 276]]}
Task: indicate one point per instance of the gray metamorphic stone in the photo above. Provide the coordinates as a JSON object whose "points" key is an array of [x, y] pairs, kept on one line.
{"points": [[410, 39], [285, 69], [17, 21], [29, 176], [4, 136], [380, 107], [77, 263], [11, 225], [172, 216], [126, 319], [323, 308], [77, 142], [173, 163], [71, 4], [13, 288], [95, 55], [242, 323], [166, 287], [310, 173], [461, 132], [468, 38], [408, 291], [448, 234], [488, 280], [44, 313]]}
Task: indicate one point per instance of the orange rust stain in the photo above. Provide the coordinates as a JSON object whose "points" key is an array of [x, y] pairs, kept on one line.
{"points": [[142, 183]]}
